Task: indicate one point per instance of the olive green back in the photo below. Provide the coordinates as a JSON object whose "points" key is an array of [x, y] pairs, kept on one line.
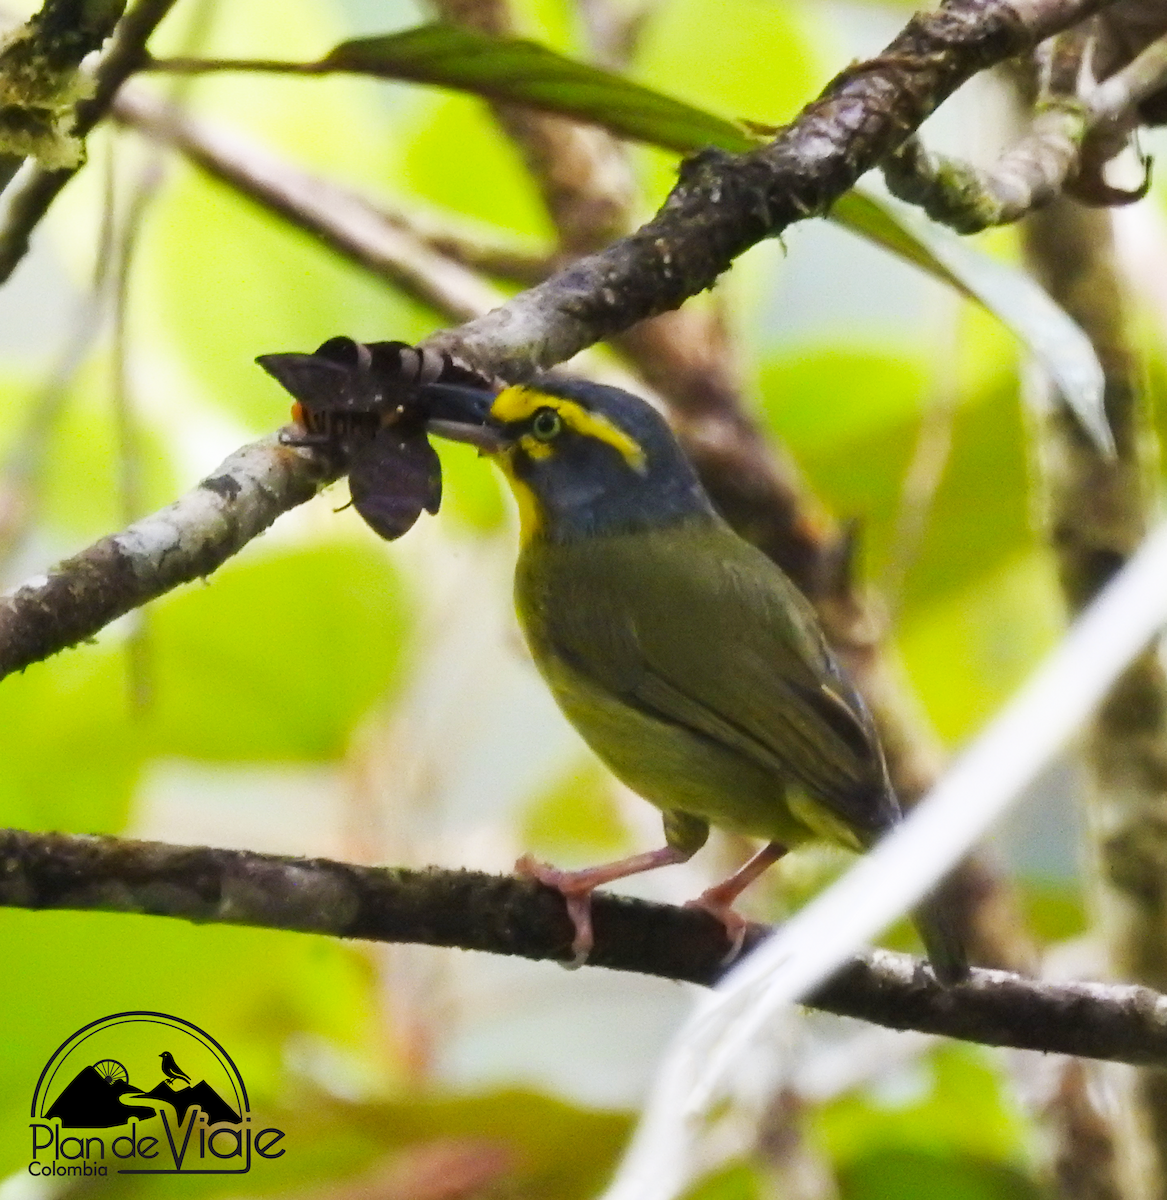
{"points": [[697, 670]]}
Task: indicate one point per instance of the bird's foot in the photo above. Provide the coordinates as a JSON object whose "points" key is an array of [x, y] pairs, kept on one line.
{"points": [[718, 900], [735, 925], [576, 888]]}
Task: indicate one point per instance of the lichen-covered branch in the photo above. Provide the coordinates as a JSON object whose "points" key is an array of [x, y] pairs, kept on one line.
{"points": [[970, 199], [508, 915], [40, 84], [180, 543], [28, 199], [1079, 125]]}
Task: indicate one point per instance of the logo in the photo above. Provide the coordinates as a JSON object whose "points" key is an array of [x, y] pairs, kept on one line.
{"points": [[144, 1093]]}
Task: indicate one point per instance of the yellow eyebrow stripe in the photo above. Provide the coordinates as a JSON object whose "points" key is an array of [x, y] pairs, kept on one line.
{"points": [[517, 403]]}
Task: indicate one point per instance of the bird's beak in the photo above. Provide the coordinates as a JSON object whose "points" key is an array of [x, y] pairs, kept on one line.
{"points": [[462, 414]]}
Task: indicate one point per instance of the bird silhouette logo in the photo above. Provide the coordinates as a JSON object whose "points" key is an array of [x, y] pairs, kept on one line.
{"points": [[171, 1069]]}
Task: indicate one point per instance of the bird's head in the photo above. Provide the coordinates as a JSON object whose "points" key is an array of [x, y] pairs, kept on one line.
{"points": [[581, 458]]}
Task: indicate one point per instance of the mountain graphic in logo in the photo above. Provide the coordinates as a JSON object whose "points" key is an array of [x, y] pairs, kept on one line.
{"points": [[93, 1100], [214, 1107], [88, 1118]]}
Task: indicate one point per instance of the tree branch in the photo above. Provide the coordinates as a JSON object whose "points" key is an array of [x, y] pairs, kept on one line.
{"points": [[722, 205], [40, 82], [508, 915], [180, 543], [726, 203]]}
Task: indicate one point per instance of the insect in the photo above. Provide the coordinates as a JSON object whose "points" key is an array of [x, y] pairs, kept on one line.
{"points": [[362, 401]]}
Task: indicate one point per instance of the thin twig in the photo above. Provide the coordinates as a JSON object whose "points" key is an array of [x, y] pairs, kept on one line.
{"points": [[1037, 169], [333, 215], [1123, 90], [969, 199]]}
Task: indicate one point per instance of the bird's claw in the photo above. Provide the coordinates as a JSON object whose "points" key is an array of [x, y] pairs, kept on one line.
{"points": [[577, 895], [734, 924]]}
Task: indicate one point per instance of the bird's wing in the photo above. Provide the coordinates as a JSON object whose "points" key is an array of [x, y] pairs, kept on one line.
{"points": [[701, 630]]}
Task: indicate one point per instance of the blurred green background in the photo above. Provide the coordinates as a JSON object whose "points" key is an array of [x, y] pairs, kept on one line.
{"points": [[329, 694]]}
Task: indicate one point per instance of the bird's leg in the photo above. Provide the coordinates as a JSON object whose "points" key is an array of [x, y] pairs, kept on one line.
{"points": [[684, 835], [718, 900], [576, 887]]}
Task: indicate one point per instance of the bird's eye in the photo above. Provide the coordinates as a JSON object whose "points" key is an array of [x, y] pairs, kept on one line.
{"points": [[546, 424]]}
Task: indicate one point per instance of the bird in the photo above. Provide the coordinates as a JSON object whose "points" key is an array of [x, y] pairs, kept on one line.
{"points": [[685, 657], [171, 1069]]}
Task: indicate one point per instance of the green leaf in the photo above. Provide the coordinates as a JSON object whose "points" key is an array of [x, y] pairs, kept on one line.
{"points": [[695, 50], [455, 181], [851, 419], [518, 71], [1055, 909], [828, 400], [1012, 296], [997, 629]]}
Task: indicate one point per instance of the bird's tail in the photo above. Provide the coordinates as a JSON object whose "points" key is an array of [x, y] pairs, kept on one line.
{"points": [[937, 927]]}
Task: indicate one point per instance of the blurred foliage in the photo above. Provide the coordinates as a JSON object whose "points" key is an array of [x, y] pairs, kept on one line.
{"points": [[907, 1175], [953, 1102], [740, 1181], [1056, 911], [324, 654], [576, 816], [510, 200]]}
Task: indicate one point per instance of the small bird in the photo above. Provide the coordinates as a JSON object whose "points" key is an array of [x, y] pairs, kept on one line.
{"points": [[685, 657], [171, 1069]]}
